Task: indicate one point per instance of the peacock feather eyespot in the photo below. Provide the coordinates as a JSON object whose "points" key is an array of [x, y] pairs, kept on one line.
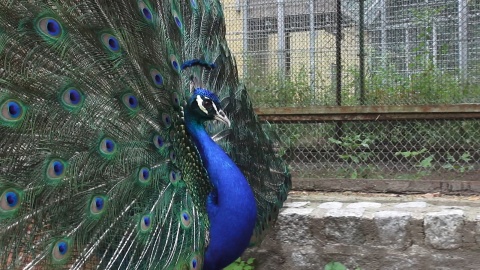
{"points": [[10, 200], [49, 28], [194, 4], [158, 141], [131, 102], [98, 205], [175, 99], [167, 120], [145, 223], [56, 170], [72, 99], [174, 177], [178, 22], [173, 156], [144, 175], [195, 262], [107, 147], [61, 250], [13, 111], [145, 10], [177, 18], [157, 78], [185, 219], [174, 62], [110, 42]]}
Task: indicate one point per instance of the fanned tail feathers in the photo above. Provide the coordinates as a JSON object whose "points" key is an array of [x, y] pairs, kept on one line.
{"points": [[96, 168]]}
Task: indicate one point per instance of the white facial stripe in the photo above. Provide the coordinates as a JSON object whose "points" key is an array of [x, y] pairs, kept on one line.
{"points": [[215, 107], [200, 104]]}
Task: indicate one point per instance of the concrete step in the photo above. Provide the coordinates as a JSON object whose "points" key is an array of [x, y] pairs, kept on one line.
{"points": [[373, 231]]}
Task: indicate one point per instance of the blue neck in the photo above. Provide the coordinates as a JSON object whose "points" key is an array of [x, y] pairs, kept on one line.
{"points": [[231, 206]]}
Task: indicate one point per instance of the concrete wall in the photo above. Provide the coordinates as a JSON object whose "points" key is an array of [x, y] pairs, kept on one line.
{"points": [[406, 232]]}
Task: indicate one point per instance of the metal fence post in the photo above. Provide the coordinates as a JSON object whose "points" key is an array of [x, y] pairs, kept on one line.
{"points": [[361, 53], [383, 29], [281, 37], [338, 51], [312, 49], [245, 38], [462, 38], [338, 40]]}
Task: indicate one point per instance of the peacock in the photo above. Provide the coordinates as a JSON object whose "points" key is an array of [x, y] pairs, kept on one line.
{"points": [[126, 139]]}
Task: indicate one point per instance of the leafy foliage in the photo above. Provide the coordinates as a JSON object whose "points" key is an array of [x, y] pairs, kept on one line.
{"points": [[335, 266], [240, 264]]}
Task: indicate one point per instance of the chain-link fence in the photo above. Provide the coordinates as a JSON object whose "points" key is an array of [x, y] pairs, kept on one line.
{"points": [[361, 53], [383, 150]]}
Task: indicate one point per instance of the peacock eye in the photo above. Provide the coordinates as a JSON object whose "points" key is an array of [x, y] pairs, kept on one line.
{"points": [[207, 103]]}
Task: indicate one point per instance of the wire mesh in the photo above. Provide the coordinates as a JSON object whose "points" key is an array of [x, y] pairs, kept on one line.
{"points": [[372, 52], [364, 52], [421, 149]]}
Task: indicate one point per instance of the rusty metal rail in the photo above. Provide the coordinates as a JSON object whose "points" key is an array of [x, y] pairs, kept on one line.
{"points": [[368, 113]]}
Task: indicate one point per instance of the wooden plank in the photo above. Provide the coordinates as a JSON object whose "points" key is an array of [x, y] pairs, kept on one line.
{"points": [[369, 113]]}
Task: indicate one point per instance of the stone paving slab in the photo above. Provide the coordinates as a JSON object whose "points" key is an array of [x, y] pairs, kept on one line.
{"points": [[374, 232]]}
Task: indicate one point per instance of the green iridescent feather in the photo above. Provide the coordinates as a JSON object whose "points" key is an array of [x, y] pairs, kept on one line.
{"points": [[96, 166]]}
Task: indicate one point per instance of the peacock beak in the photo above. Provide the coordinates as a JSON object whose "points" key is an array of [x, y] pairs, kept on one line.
{"points": [[220, 116]]}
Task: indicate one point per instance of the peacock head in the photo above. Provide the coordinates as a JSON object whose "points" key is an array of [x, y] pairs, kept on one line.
{"points": [[205, 106]]}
